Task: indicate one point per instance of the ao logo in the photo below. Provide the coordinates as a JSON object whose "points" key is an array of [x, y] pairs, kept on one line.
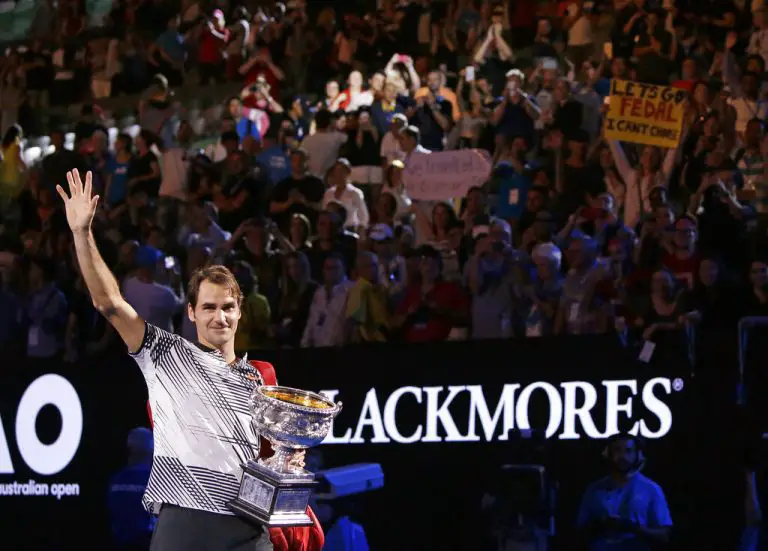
{"points": [[45, 459]]}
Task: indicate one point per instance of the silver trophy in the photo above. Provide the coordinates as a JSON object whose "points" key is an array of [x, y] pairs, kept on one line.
{"points": [[273, 491]]}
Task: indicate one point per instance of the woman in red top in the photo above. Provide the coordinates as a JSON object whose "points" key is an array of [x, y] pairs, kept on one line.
{"points": [[432, 307], [210, 56]]}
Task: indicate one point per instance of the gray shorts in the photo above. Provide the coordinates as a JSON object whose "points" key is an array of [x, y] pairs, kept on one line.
{"points": [[180, 529]]}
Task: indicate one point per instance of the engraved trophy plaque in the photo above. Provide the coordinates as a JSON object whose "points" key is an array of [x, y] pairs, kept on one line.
{"points": [[274, 492]]}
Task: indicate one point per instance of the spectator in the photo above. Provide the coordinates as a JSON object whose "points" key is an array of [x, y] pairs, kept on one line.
{"points": [[431, 308], [212, 46], [201, 228], [603, 521], [45, 311], [301, 193], [323, 147], [342, 191], [156, 303], [325, 324], [487, 275], [131, 525], [367, 314], [253, 328]]}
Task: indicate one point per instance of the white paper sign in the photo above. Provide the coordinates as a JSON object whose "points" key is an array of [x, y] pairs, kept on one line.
{"points": [[445, 175]]}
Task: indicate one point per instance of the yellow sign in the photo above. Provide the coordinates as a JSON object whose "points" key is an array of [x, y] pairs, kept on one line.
{"points": [[645, 113]]}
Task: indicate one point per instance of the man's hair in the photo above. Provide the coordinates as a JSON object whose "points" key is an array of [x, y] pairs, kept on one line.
{"points": [[323, 119], [216, 274]]}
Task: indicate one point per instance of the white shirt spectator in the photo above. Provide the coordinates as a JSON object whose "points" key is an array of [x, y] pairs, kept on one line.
{"points": [[354, 202], [325, 324], [758, 44], [175, 167], [155, 303], [323, 149], [361, 99], [746, 110], [390, 148]]}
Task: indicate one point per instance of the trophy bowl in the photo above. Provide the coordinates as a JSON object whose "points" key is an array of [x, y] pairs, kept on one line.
{"points": [[292, 418], [274, 491]]}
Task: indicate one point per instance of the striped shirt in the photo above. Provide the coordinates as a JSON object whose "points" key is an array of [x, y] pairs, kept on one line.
{"points": [[202, 423]]}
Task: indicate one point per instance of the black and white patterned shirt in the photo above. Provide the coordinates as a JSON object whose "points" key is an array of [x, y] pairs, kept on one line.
{"points": [[201, 421]]}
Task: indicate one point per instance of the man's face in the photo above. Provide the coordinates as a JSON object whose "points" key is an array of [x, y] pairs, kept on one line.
{"points": [[355, 79], [332, 89], [534, 202], [685, 233], [433, 81], [236, 163], [390, 92], [475, 202], [407, 143], [562, 91], [623, 455], [325, 228], [216, 314], [377, 81], [333, 271], [297, 162], [618, 67], [235, 108]]}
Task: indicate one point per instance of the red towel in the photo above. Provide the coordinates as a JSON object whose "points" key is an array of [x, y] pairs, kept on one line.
{"points": [[292, 538]]}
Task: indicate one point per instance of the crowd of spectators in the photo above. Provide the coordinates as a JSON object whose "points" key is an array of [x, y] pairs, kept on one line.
{"points": [[300, 188]]}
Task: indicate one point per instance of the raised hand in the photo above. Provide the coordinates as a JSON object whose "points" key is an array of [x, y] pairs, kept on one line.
{"points": [[80, 206]]}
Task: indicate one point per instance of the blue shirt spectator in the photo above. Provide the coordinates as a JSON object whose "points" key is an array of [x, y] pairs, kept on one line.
{"points": [[131, 524], [513, 193], [118, 188], [172, 43], [276, 162]]}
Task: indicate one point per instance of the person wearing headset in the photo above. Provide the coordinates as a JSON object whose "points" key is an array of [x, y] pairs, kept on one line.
{"points": [[625, 510]]}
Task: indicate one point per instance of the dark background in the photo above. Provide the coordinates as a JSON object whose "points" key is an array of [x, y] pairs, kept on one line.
{"points": [[431, 498]]}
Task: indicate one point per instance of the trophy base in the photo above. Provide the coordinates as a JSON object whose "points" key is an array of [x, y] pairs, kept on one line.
{"points": [[273, 499]]}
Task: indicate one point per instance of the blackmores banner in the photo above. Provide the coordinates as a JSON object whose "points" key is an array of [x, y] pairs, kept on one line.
{"points": [[440, 419], [645, 113]]}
